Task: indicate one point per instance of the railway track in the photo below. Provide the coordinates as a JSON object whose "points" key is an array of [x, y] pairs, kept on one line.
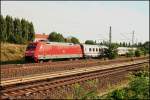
{"points": [[9, 81], [7, 66], [9, 72], [59, 80]]}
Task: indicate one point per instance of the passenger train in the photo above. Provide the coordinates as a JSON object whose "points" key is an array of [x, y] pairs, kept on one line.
{"points": [[40, 51]]}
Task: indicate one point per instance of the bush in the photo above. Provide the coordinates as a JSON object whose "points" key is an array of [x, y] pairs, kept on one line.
{"points": [[130, 53], [89, 42], [111, 53], [138, 53], [138, 88], [143, 51], [118, 94]]}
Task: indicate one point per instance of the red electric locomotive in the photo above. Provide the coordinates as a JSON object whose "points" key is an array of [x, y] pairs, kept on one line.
{"points": [[39, 51]]}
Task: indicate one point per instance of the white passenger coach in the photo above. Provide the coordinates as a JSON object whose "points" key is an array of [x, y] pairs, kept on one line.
{"points": [[93, 50], [124, 50]]}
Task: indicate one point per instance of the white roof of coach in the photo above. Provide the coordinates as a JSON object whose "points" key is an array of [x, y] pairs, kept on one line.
{"points": [[121, 48], [60, 43], [94, 46]]}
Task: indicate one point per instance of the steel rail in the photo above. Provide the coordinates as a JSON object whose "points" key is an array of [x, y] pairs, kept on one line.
{"points": [[30, 70], [13, 66], [61, 73], [45, 86]]}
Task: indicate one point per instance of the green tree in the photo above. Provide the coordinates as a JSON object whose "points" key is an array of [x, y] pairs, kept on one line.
{"points": [[17, 31], [139, 44], [3, 35], [81, 93], [120, 44], [135, 45], [138, 53], [52, 36], [146, 46], [60, 38], [129, 45], [111, 52], [31, 32], [123, 44], [68, 39], [143, 50], [130, 53], [10, 29], [118, 94], [89, 42], [126, 44], [101, 43], [75, 40], [25, 31], [138, 88], [56, 37]]}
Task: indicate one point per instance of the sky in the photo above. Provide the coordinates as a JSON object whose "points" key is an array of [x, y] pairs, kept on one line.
{"points": [[86, 20]]}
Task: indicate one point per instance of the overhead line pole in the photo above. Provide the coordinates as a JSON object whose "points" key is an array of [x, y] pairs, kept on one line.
{"points": [[132, 38], [132, 43], [110, 36]]}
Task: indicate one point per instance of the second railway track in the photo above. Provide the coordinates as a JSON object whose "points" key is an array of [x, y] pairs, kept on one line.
{"points": [[47, 84], [29, 69]]}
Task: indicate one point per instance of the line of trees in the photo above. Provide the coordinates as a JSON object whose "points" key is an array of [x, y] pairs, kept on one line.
{"points": [[57, 37], [14, 30], [111, 52], [20, 31], [121, 44]]}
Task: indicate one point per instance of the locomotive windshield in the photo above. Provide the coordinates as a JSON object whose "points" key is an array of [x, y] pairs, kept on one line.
{"points": [[31, 46]]}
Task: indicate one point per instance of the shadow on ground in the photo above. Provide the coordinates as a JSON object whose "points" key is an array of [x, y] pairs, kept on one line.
{"points": [[21, 61]]}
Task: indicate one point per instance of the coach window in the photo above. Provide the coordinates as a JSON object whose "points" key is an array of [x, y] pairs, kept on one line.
{"points": [[93, 49], [99, 49], [89, 49], [96, 49]]}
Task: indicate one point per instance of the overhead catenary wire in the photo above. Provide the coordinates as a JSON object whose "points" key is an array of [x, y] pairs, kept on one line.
{"points": [[125, 36]]}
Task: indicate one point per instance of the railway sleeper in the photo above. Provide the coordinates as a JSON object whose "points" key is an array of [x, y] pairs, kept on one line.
{"points": [[89, 78]]}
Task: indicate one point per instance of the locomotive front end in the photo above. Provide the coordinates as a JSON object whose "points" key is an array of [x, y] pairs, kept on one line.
{"points": [[30, 52]]}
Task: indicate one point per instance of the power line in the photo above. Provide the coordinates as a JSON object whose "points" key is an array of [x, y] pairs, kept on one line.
{"points": [[103, 37], [125, 36]]}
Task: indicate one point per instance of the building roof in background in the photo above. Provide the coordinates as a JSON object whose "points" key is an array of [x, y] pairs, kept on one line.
{"points": [[37, 35]]}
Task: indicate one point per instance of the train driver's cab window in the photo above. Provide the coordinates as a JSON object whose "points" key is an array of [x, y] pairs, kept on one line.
{"points": [[31, 46]]}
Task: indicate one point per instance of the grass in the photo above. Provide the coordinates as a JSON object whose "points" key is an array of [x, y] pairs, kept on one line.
{"points": [[121, 85], [12, 53], [137, 87]]}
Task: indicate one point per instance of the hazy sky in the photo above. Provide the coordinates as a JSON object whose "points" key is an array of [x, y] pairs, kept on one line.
{"points": [[85, 19]]}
